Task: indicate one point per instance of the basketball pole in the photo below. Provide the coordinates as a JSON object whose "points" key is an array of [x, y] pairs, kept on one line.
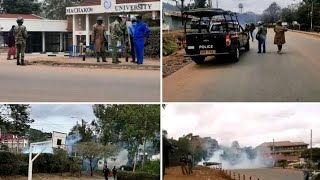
{"points": [[32, 159]]}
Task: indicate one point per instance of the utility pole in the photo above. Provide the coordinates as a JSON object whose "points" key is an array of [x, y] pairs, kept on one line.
{"points": [[273, 150], [311, 146], [217, 2], [312, 15]]}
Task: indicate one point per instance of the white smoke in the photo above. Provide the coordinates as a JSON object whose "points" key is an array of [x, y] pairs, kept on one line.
{"points": [[119, 160], [239, 160], [71, 140]]}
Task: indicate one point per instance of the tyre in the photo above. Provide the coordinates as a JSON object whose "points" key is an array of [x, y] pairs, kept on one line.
{"points": [[235, 56], [247, 46], [198, 60]]}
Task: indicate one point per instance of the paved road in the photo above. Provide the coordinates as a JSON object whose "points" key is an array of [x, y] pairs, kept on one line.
{"points": [[273, 174], [291, 76], [66, 84]]}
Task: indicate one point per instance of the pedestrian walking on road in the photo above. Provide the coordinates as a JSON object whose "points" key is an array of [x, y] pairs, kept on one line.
{"points": [[21, 35], [261, 37], [190, 163], [98, 39], [141, 35], [116, 36], [11, 44], [184, 164], [106, 172], [279, 38], [114, 172], [131, 33]]}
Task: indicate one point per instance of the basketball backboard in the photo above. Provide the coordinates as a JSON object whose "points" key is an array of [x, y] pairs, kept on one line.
{"points": [[58, 139]]}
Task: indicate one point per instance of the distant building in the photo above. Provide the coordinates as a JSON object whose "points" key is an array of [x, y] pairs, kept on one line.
{"points": [[173, 20], [14, 143], [44, 35], [284, 150]]}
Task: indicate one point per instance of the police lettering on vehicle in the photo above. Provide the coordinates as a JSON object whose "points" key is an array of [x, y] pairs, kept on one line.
{"points": [[205, 46]]}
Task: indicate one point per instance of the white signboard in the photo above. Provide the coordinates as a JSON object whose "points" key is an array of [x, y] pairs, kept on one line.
{"points": [[84, 10]]}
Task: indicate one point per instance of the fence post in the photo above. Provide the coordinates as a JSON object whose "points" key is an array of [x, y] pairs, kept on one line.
{"points": [[234, 175], [250, 178], [239, 176], [244, 177]]}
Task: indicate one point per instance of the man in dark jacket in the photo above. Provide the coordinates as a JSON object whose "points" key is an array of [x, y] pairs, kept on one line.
{"points": [[106, 172], [114, 172]]}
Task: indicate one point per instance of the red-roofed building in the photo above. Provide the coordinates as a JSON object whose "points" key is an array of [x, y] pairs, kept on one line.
{"points": [[284, 150], [83, 17], [13, 142]]}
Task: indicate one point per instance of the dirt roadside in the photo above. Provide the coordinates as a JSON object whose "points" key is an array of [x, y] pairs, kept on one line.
{"points": [[174, 62], [199, 173]]}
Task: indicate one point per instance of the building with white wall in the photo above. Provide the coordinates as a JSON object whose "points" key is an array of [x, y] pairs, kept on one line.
{"points": [[84, 16], [44, 35], [14, 143]]}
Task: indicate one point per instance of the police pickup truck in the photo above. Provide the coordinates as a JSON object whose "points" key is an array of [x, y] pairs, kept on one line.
{"points": [[223, 36]]}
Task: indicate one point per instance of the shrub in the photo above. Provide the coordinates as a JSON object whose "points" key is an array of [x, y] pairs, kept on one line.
{"points": [[153, 48], [152, 167], [169, 44], [128, 175], [8, 163], [23, 168]]}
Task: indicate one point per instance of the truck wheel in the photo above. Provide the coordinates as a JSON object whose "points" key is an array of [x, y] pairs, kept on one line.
{"points": [[247, 47], [235, 56], [198, 60]]}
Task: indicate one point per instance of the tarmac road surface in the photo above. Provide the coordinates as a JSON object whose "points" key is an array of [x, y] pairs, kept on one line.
{"points": [[291, 76], [67, 84], [273, 174]]}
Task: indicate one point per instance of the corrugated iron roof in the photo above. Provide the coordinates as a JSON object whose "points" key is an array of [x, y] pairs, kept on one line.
{"points": [[283, 143]]}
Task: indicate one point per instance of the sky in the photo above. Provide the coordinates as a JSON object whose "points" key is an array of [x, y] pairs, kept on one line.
{"points": [[256, 6], [57, 117], [250, 124]]}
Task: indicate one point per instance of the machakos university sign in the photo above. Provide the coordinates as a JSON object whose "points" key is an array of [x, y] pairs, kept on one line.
{"points": [[79, 10], [133, 7]]}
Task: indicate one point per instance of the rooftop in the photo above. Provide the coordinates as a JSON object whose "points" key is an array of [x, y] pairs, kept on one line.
{"points": [[283, 144], [90, 3], [24, 16]]}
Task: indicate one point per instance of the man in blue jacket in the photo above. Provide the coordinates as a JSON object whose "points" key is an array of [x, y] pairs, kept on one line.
{"points": [[141, 35]]}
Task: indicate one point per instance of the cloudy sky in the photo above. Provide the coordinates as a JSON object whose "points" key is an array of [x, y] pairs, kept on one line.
{"points": [[257, 6], [54, 117], [249, 123]]}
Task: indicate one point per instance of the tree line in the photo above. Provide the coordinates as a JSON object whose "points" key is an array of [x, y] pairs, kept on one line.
{"points": [[50, 9], [300, 12]]}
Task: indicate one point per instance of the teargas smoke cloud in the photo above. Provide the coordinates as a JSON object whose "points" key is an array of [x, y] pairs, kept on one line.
{"points": [[239, 158], [120, 159], [71, 140]]}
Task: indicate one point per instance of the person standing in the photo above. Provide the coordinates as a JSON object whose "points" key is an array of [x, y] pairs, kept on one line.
{"points": [[116, 35], [11, 44], [252, 28], [21, 35], [114, 172], [106, 172], [141, 32], [131, 34], [262, 36], [190, 163], [279, 38], [99, 39]]}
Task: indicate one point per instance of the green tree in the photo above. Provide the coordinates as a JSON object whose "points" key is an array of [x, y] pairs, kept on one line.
{"points": [[132, 124], [35, 135], [21, 6], [288, 15], [56, 9], [94, 151], [272, 13], [84, 130]]}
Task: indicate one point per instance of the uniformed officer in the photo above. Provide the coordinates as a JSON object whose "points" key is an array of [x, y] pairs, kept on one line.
{"points": [[116, 36], [21, 35], [141, 32], [98, 38]]}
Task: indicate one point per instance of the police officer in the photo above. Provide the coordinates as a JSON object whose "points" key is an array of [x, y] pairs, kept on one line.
{"points": [[141, 32], [116, 35], [262, 36], [21, 35], [99, 39]]}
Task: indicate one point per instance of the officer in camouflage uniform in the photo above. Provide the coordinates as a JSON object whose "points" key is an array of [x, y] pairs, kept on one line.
{"points": [[99, 39], [116, 35], [125, 39], [20, 34]]}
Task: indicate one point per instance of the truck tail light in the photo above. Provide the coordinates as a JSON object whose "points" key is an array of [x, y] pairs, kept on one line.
{"points": [[184, 40], [228, 40]]}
